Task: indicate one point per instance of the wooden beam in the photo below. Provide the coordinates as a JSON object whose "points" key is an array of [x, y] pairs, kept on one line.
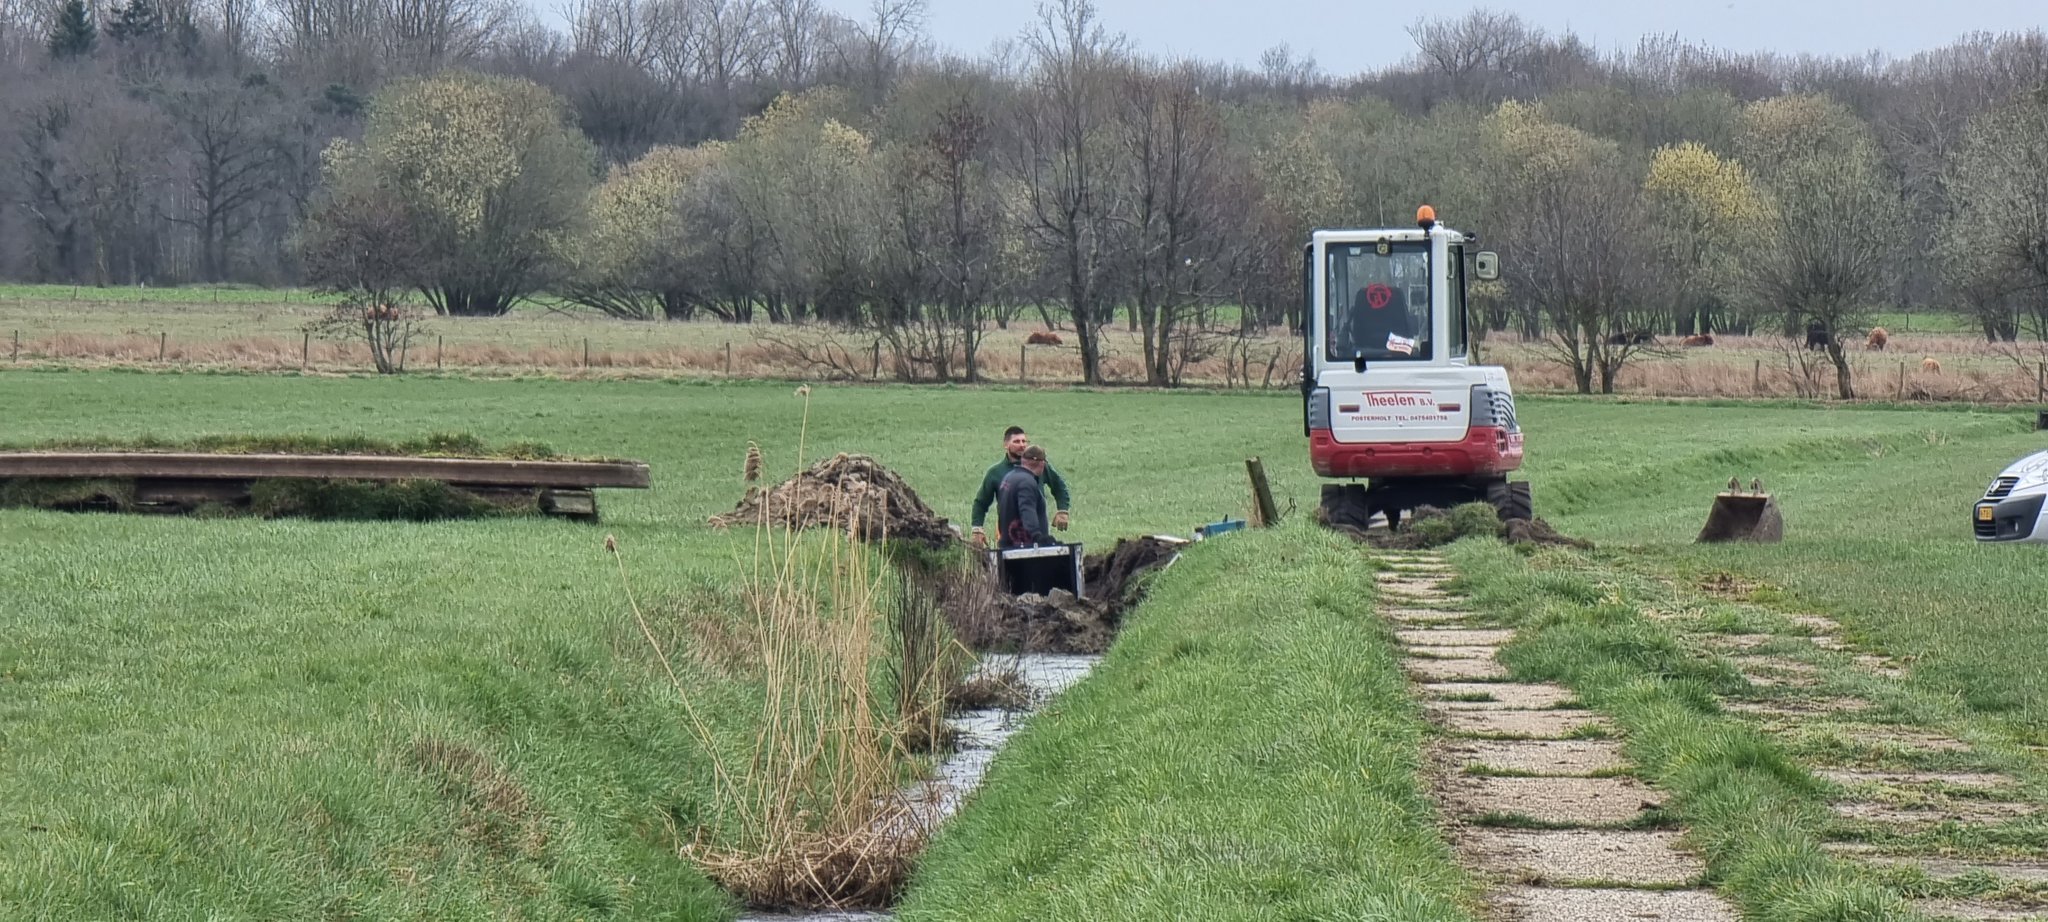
{"points": [[630, 475]]}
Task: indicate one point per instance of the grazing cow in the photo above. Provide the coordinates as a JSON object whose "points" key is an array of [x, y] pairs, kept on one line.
{"points": [[381, 312], [1633, 338], [1817, 337], [1929, 364], [1878, 337], [1043, 338], [1701, 339]]}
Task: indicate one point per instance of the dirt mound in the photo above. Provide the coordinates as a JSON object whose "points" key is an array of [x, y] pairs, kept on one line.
{"points": [[1537, 531], [986, 618], [1428, 527], [851, 492]]}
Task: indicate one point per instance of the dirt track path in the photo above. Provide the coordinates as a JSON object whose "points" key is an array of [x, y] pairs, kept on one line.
{"points": [[1536, 793], [1936, 813], [1540, 802]]}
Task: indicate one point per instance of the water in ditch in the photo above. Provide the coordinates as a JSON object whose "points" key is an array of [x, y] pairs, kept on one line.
{"points": [[982, 733]]}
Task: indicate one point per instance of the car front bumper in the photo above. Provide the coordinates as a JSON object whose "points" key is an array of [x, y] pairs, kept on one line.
{"points": [[2015, 518]]}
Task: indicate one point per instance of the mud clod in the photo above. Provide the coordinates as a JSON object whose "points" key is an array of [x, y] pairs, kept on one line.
{"points": [[1428, 527]]}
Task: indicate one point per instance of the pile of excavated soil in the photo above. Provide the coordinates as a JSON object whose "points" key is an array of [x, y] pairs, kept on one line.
{"points": [[853, 493], [985, 618], [1426, 527]]}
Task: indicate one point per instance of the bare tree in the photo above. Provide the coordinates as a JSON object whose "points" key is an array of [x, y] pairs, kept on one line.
{"points": [[425, 36], [227, 127], [795, 26], [727, 46], [882, 41], [1996, 240], [1061, 159], [1830, 255], [1477, 56], [1176, 253], [629, 32], [367, 250], [338, 41], [236, 22], [1574, 219]]}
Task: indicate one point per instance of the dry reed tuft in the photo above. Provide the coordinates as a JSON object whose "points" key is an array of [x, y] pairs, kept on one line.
{"points": [[992, 687], [812, 814]]}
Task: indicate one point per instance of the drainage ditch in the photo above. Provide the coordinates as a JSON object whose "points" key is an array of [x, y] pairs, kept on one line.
{"points": [[981, 733]]}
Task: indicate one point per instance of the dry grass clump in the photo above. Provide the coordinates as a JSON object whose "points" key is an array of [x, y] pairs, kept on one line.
{"points": [[992, 687], [811, 814]]}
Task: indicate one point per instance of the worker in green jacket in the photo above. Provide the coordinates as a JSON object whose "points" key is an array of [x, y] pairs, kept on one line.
{"points": [[1014, 443]]}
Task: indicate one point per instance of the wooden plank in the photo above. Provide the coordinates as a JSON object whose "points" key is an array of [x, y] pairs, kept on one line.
{"points": [[631, 475]]}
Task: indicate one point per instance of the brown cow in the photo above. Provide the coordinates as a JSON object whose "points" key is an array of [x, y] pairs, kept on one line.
{"points": [[1701, 339], [1929, 364], [1878, 337], [1043, 338]]}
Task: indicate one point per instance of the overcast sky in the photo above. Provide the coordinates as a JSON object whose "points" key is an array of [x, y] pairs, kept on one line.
{"points": [[1353, 35]]}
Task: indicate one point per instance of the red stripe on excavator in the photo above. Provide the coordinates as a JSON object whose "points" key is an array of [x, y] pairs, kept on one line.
{"points": [[1483, 450]]}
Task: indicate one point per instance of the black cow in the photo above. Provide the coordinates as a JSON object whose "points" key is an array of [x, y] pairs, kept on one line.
{"points": [[1634, 338], [1817, 337]]}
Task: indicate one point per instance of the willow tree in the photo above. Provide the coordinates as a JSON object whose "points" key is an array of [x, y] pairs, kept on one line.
{"points": [[1702, 208], [636, 257], [489, 173]]}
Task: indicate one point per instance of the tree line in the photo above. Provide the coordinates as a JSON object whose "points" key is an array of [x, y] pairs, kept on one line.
{"points": [[767, 161]]}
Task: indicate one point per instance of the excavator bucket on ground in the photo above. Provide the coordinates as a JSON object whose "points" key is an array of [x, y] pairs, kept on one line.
{"points": [[1743, 515]]}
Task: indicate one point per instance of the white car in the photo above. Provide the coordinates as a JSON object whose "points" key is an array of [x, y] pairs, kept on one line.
{"points": [[2011, 507]]}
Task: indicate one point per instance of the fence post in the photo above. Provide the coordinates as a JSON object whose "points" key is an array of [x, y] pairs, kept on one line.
{"points": [[1756, 378], [437, 351], [17, 347], [586, 352], [1023, 377], [1265, 514], [306, 351], [728, 358], [875, 363], [1900, 394], [2040, 380], [163, 345]]}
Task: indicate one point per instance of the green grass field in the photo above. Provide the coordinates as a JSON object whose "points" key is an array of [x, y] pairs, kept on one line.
{"points": [[290, 719], [1876, 505], [255, 719], [1248, 750]]}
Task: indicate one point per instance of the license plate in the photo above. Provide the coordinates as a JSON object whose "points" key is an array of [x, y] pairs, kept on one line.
{"points": [[1983, 513]]}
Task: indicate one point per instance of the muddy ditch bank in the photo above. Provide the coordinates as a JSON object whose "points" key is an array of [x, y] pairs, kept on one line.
{"points": [[979, 734], [859, 495], [987, 619]]}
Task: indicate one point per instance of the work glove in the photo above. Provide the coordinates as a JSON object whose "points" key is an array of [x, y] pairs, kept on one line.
{"points": [[1059, 520], [980, 539]]}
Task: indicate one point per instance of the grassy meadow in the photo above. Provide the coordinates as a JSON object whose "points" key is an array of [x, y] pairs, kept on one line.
{"points": [[1876, 505], [292, 719]]}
